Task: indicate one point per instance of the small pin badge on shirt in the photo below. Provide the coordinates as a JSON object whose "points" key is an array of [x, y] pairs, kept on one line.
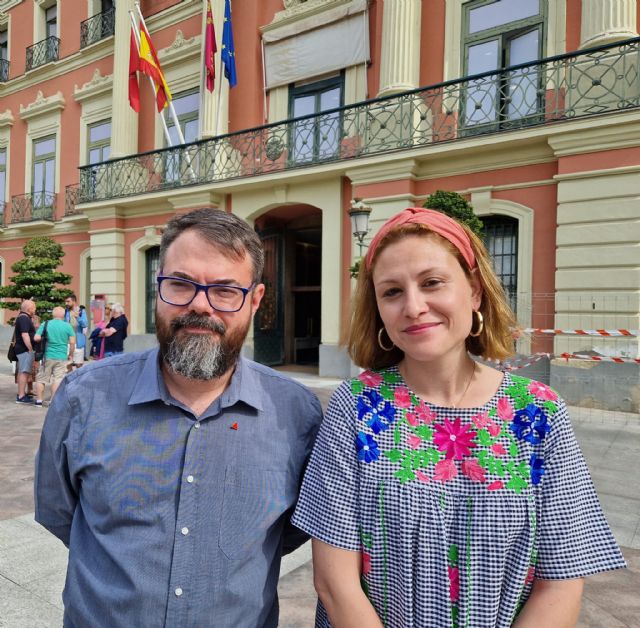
{"points": [[234, 426]]}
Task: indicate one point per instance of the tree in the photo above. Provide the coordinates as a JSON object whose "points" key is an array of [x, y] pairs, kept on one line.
{"points": [[456, 206], [37, 278]]}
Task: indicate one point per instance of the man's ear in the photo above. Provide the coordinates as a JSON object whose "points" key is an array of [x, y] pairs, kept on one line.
{"points": [[256, 296]]}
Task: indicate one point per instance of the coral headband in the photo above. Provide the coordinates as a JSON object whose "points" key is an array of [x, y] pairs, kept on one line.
{"points": [[438, 222]]}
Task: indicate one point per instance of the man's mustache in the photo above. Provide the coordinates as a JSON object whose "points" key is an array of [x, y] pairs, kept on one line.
{"points": [[199, 322]]}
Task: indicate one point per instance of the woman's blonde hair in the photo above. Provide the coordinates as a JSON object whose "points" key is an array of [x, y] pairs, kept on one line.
{"points": [[496, 341]]}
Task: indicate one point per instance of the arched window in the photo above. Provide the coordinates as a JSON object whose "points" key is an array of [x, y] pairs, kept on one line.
{"points": [[152, 262], [501, 240]]}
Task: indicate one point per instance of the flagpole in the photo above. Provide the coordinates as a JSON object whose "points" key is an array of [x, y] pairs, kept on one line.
{"points": [[203, 70], [136, 34]]}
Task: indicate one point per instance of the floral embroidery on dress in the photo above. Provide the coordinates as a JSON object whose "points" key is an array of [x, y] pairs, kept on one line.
{"points": [[427, 449]]}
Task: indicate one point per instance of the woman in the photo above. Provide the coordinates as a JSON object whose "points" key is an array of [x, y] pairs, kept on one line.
{"points": [[442, 492], [115, 332]]}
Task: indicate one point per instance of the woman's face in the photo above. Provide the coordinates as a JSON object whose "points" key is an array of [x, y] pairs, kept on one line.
{"points": [[424, 298]]}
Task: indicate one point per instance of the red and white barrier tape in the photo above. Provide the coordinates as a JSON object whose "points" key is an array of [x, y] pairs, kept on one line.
{"points": [[615, 333], [521, 363]]}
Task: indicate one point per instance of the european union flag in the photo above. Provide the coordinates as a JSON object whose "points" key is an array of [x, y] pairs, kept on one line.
{"points": [[228, 50]]}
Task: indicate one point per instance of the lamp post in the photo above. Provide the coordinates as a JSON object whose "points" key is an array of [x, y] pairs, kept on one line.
{"points": [[359, 214]]}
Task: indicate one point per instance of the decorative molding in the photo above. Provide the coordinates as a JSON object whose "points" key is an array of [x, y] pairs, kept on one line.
{"points": [[387, 171], [42, 105], [296, 10], [596, 139], [5, 5], [97, 86], [180, 49], [6, 119], [4, 19]]}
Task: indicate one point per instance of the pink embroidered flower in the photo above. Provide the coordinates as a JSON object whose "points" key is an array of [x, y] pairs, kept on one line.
{"points": [[445, 470], [495, 486], [505, 409], [530, 575], [481, 419], [472, 469], [498, 449], [366, 562], [402, 397], [455, 439], [423, 477], [412, 419], [454, 583], [494, 429], [414, 441], [369, 378], [424, 413], [542, 391]]}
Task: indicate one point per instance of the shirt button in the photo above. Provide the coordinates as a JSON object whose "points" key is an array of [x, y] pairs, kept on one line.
{"points": [[190, 479], [197, 425], [185, 531], [178, 592]]}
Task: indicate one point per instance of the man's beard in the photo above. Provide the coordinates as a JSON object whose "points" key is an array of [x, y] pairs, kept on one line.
{"points": [[199, 356]]}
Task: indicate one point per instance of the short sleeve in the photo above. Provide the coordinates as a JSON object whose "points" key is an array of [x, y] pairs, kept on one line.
{"points": [[327, 506], [575, 538], [40, 330]]}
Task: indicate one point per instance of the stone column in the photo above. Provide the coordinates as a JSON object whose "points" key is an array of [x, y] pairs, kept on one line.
{"points": [[214, 123], [108, 264], [606, 21], [400, 54], [124, 124]]}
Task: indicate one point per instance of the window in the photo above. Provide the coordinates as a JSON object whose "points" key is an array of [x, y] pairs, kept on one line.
{"points": [[3, 181], [501, 240], [99, 146], [4, 55], [316, 138], [44, 173], [152, 264], [179, 164], [499, 34], [51, 21]]}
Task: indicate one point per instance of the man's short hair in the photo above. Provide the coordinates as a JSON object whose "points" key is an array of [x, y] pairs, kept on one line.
{"points": [[221, 229], [74, 297]]}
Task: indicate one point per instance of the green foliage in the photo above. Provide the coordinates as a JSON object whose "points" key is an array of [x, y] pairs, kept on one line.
{"points": [[37, 277], [456, 206], [355, 269]]}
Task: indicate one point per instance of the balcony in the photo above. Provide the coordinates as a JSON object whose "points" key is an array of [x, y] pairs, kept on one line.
{"points": [[43, 52], [97, 27], [584, 84], [31, 207], [4, 70]]}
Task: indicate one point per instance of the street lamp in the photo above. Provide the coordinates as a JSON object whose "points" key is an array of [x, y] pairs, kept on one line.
{"points": [[359, 214]]}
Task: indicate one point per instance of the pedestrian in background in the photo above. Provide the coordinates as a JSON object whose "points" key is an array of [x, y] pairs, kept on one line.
{"points": [[59, 339], [96, 350], [442, 492], [76, 316], [115, 332], [24, 333]]}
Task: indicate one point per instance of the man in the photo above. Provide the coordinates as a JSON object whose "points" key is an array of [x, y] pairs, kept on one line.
{"points": [[60, 342], [24, 333], [115, 332], [171, 474], [77, 318]]}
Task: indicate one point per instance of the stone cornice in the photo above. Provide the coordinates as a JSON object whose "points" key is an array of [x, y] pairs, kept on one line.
{"points": [[41, 105], [296, 11], [97, 86], [391, 171], [5, 5], [597, 138], [180, 49], [6, 119]]}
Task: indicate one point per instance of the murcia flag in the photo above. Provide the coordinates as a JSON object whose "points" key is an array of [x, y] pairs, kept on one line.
{"points": [[210, 49]]}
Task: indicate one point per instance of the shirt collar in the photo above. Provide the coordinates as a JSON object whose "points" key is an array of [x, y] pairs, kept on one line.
{"points": [[243, 386]]}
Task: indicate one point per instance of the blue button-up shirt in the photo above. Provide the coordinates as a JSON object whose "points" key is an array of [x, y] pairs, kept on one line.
{"points": [[172, 519]]}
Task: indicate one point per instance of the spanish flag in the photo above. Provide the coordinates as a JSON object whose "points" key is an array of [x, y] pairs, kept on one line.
{"points": [[150, 65], [134, 64]]}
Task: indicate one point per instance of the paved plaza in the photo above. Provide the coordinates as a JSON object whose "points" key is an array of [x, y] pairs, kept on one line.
{"points": [[32, 562]]}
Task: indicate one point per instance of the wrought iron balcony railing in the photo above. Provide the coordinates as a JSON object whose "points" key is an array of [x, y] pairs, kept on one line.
{"points": [[587, 83], [30, 207], [71, 195], [43, 52], [4, 70], [97, 27], [3, 206]]}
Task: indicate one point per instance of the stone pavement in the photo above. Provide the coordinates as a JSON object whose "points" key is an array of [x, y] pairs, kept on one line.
{"points": [[32, 562]]}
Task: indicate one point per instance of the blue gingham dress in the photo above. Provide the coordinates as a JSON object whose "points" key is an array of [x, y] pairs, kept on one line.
{"points": [[455, 511]]}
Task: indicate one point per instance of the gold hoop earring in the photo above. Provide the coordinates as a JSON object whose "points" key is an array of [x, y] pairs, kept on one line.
{"points": [[480, 325], [380, 341]]}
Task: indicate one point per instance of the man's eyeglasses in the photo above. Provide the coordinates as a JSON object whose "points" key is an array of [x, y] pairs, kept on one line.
{"points": [[221, 297]]}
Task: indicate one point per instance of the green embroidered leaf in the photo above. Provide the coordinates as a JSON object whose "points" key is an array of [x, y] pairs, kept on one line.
{"points": [[495, 466], [386, 392], [407, 459], [424, 432], [397, 436], [404, 475], [513, 449], [433, 454], [482, 456], [493, 412], [453, 555], [414, 400], [523, 470], [364, 585], [356, 386], [550, 407], [455, 612], [366, 539], [422, 459], [392, 378], [395, 455], [516, 484], [484, 438]]}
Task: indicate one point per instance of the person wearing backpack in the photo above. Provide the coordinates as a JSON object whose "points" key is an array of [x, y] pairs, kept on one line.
{"points": [[23, 334], [60, 342]]}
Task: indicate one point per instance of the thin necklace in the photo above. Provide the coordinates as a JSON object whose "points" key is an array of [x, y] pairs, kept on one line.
{"points": [[466, 388]]}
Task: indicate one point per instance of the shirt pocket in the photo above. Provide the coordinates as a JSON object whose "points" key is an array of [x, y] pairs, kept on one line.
{"points": [[253, 501]]}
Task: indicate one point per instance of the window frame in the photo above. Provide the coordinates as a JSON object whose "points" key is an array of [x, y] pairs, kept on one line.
{"points": [[37, 159], [98, 144], [152, 254]]}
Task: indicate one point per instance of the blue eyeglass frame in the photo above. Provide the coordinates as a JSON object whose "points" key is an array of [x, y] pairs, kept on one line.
{"points": [[204, 287]]}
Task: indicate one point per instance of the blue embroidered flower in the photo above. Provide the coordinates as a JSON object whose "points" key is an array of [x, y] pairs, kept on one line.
{"points": [[381, 414], [537, 468], [367, 447], [530, 424]]}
